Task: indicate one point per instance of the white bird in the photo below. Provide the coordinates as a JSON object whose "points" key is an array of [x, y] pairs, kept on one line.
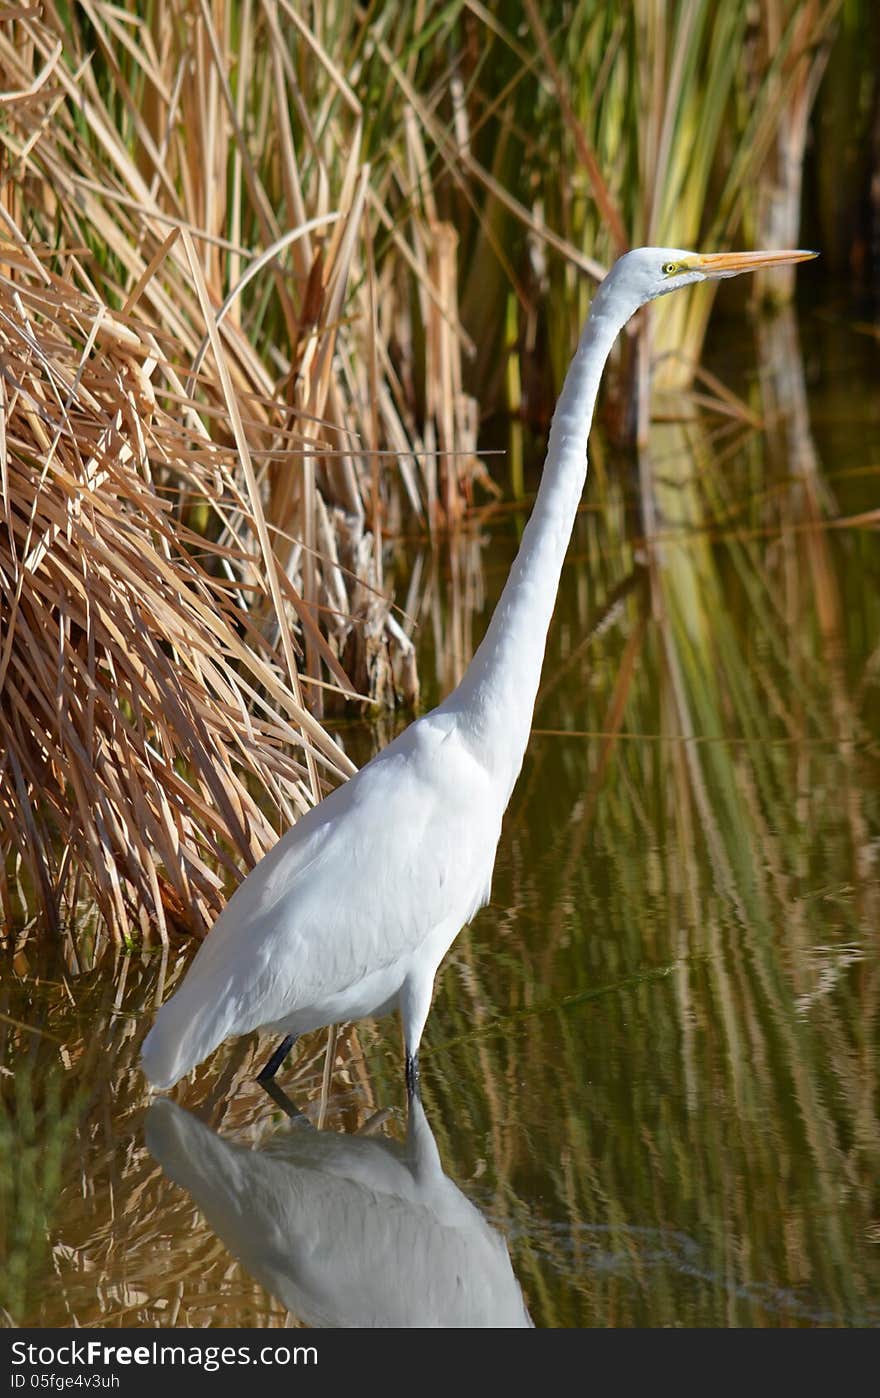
{"points": [[346, 1230], [351, 913]]}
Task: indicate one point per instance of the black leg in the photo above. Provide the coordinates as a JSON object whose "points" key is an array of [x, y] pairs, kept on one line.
{"points": [[280, 1097], [278, 1057], [412, 1075]]}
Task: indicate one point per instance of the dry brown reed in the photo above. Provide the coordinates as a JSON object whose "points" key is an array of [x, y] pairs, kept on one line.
{"points": [[203, 421], [140, 697]]}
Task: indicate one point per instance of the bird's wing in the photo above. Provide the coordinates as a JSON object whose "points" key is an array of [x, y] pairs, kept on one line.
{"points": [[406, 845]]}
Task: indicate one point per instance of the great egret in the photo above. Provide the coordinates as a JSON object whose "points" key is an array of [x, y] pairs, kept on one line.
{"points": [[346, 1230], [351, 913]]}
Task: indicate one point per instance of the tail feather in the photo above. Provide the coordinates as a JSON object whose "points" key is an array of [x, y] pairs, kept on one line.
{"points": [[188, 1027]]}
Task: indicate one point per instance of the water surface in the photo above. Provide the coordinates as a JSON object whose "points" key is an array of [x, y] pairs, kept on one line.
{"points": [[650, 1072]]}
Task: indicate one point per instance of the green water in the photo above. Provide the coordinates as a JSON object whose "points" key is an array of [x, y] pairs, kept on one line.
{"points": [[651, 1064]]}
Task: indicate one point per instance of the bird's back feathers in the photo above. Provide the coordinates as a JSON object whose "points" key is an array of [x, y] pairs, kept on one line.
{"points": [[335, 901]]}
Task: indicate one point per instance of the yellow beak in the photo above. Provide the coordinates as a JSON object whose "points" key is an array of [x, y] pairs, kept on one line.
{"points": [[729, 264]]}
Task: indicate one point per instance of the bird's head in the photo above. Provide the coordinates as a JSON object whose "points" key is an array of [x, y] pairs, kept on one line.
{"points": [[646, 273]]}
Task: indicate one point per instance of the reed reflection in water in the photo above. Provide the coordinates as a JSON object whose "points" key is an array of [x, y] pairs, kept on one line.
{"points": [[673, 998]]}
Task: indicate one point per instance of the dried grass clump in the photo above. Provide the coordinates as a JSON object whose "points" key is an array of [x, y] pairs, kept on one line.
{"points": [[231, 363], [142, 706]]}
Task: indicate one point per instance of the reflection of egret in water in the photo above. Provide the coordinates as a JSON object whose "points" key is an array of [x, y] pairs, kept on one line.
{"points": [[346, 1230]]}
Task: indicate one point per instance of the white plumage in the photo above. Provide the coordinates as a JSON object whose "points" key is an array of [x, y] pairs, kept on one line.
{"points": [[346, 1230], [353, 910], [330, 924]]}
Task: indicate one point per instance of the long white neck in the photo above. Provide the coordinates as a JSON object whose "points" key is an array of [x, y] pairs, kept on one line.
{"points": [[496, 697]]}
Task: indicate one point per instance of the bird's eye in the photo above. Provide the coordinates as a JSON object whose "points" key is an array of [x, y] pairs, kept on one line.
{"points": [[669, 268]]}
